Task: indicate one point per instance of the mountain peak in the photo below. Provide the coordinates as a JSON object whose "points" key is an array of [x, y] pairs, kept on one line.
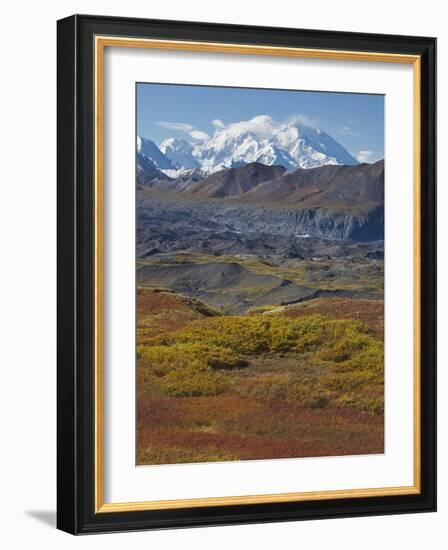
{"points": [[149, 150], [180, 152], [175, 142], [291, 145]]}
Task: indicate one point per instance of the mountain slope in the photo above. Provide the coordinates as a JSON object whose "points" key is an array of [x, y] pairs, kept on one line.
{"points": [[311, 147], [147, 171], [180, 152], [235, 182], [334, 186], [343, 186], [149, 150]]}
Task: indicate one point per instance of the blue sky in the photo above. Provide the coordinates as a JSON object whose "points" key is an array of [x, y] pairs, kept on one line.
{"points": [[356, 121]]}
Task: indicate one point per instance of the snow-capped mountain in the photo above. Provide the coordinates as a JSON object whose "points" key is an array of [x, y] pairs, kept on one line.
{"points": [[272, 154], [150, 152], [180, 152], [147, 171], [311, 147], [293, 145]]}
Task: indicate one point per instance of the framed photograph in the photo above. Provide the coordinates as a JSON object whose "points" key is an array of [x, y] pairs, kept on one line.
{"points": [[246, 274]]}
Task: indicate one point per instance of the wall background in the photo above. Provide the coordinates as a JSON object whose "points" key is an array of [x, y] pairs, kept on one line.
{"points": [[27, 273]]}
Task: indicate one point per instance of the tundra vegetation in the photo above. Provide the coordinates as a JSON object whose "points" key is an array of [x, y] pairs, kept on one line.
{"points": [[303, 380]]}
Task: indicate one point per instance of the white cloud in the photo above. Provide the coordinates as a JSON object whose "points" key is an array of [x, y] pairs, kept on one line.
{"points": [[180, 126], [262, 126], [218, 124], [366, 155], [304, 119], [187, 128], [348, 131], [199, 134]]}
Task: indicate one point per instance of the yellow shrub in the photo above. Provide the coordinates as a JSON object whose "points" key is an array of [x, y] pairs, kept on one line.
{"points": [[193, 360], [267, 386], [371, 405], [308, 393], [192, 381]]}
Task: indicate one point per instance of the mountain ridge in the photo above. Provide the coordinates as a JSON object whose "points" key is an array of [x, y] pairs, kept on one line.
{"points": [[331, 186]]}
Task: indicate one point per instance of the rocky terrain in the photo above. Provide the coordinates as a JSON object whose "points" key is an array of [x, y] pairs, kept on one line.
{"points": [[258, 235], [332, 202]]}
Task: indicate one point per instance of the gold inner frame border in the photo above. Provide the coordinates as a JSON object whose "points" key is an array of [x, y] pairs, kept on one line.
{"points": [[101, 42]]}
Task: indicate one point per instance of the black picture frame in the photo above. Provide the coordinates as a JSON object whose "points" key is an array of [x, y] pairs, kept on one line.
{"points": [[76, 259]]}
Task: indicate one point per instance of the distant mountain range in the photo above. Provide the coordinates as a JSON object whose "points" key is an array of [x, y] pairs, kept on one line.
{"points": [[296, 183], [291, 146]]}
